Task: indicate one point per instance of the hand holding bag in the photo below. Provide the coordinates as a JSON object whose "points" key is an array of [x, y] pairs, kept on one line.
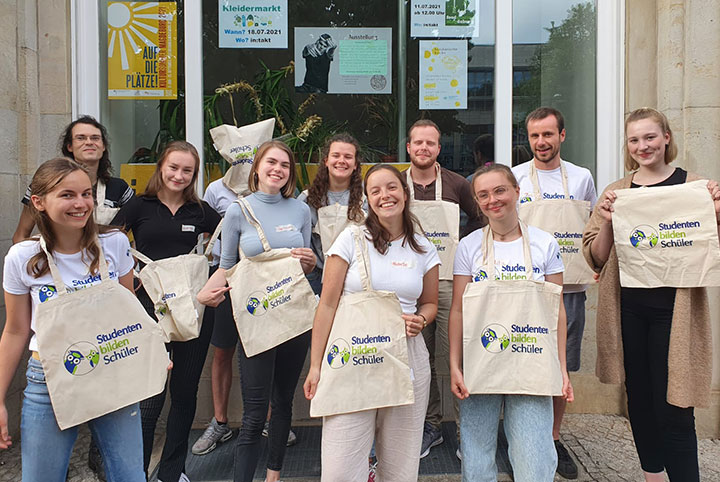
{"points": [[366, 358], [510, 331], [98, 347]]}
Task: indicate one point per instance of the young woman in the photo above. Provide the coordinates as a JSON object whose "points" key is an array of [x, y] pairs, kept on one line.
{"points": [[403, 261], [166, 221], [338, 183], [528, 419], [269, 377], [62, 207], [640, 320]]}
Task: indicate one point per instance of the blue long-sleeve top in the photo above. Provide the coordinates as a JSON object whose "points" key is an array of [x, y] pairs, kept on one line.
{"points": [[285, 221]]}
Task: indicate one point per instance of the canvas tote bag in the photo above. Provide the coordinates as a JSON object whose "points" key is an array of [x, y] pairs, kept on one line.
{"points": [[510, 331], [565, 219], [666, 236], [271, 299], [98, 347], [238, 145], [102, 213], [440, 221], [173, 284], [365, 365], [331, 222]]}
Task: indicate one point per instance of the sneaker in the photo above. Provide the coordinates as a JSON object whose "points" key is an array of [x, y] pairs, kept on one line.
{"points": [[214, 433], [373, 469], [183, 478], [432, 437], [292, 439], [566, 465], [458, 454], [95, 461], [266, 428]]}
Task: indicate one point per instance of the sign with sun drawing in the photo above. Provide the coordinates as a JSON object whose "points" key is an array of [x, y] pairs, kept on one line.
{"points": [[142, 50]]}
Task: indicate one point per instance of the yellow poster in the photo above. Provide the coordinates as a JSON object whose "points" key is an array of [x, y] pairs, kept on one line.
{"points": [[142, 50]]}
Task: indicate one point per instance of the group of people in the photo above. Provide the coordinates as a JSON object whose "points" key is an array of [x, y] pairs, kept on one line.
{"points": [[74, 203]]}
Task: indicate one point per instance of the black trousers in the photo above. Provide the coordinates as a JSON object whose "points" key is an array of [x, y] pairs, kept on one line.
{"points": [[664, 434], [268, 378], [188, 358]]}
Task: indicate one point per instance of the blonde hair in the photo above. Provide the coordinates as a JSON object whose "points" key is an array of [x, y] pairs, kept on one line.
{"points": [[659, 118], [501, 168], [288, 190], [155, 184]]}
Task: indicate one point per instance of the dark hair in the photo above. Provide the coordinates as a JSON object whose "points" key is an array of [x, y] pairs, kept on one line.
{"points": [[484, 145], [671, 149], [542, 112], [502, 168], [104, 166], [46, 178], [379, 236], [288, 189], [519, 155], [423, 123], [155, 184], [317, 192]]}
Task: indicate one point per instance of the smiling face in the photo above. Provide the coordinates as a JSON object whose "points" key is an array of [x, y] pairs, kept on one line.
{"points": [[273, 171], [423, 146], [386, 196], [70, 204], [86, 146], [545, 140], [177, 171], [646, 142], [341, 161], [496, 195]]}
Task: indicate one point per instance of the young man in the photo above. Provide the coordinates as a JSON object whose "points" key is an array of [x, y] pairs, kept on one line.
{"points": [[439, 216], [546, 133]]}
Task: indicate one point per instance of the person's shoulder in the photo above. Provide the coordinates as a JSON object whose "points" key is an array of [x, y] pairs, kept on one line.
{"points": [[298, 204], [117, 183], [23, 250], [577, 172], [113, 236], [521, 169]]}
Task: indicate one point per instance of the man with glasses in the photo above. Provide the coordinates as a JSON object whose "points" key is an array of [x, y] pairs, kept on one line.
{"points": [[86, 141]]}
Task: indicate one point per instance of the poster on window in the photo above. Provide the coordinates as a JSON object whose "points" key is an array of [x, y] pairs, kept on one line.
{"points": [[142, 50], [443, 74], [343, 60], [252, 24], [444, 18]]}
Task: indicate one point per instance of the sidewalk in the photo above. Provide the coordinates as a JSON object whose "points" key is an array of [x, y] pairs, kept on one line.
{"points": [[602, 445]]}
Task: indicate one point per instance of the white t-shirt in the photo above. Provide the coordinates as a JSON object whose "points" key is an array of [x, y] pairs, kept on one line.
{"points": [[509, 256], [219, 198], [73, 269], [400, 269]]}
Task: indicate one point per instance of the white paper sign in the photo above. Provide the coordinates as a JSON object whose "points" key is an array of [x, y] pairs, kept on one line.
{"points": [[343, 60], [443, 74], [442, 18], [252, 24]]}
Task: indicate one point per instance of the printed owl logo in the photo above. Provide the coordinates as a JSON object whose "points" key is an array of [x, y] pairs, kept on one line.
{"points": [[46, 292]]}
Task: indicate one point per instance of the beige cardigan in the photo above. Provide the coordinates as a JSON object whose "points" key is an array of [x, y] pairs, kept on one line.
{"points": [[690, 352]]}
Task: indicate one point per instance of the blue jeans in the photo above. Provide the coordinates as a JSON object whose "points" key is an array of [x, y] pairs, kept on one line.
{"points": [[46, 449], [528, 426]]}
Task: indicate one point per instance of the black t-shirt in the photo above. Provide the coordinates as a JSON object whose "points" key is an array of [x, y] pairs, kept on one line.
{"points": [[664, 297], [158, 233], [117, 193]]}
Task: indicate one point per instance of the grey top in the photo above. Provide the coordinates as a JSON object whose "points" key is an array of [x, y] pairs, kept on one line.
{"points": [[285, 221]]}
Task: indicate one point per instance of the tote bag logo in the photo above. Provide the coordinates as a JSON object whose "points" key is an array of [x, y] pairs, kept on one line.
{"points": [[495, 338], [644, 237], [81, 358], [46, 292], [257, 304], [339, 353], [481, 275], [525, 199]]}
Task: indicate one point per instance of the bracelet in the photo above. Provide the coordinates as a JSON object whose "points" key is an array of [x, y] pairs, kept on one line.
{"points": [[424, 319]]}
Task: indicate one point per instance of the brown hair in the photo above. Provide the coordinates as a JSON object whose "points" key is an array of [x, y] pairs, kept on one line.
{"points": [[104, 169], [317, 192], [379, 236], [288, 189], [659, 118], [155, 184], [423, 123], [501, 168], [46, 178], [542, 112]]}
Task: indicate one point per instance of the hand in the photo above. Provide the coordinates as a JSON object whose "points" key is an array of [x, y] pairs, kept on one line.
{"points": [[306, 257], [715, 193], [311, 383], [605, 206], [457, 384], [567, 390], [212, 297], [413, 324], [596, 277], [5, 440]]}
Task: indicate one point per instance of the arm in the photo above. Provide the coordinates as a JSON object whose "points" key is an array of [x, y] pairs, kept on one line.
{"points": [[567, 389], [455, 336], [213, 293], [335, 272], [600, 247], [25, 225], [715, 193], [305, 254], [427, 304], [12, 345]]}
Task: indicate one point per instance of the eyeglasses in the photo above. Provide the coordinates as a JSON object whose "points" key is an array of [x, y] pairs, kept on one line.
{"points": [[83, 138], [499, 191]]}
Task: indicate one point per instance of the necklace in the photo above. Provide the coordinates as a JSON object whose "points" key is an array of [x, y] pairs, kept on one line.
{"points": [[497, 235]]}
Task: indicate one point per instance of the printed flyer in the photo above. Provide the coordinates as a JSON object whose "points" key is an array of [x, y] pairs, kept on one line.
{"points": [[443, 74], [252, 24], [142, 50], [343, 60], [444, 18]]}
